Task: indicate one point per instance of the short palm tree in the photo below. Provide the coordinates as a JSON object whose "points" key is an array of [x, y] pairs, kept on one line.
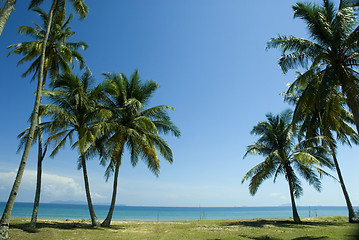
{"points": [[74, 113], [283, 155], [60, 56], [133, 126], [82, 9], [332, 55]]}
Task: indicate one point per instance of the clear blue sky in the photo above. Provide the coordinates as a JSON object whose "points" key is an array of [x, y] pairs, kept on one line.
{"points": [[209, 58]]}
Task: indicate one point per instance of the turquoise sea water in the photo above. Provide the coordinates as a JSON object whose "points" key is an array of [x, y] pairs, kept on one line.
{"points": [[75, 211]]}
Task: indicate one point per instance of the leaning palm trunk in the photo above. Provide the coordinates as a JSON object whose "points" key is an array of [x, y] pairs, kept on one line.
{"points": [[352, 217], [94, 220], [5, 13], [292, 198], [294, 207], [107, 221], [5, 219]]}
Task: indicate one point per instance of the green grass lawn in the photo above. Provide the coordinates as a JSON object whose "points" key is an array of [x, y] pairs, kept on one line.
{"points": [[311, 228]]}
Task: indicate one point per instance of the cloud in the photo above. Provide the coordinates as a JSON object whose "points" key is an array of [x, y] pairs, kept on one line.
{"points": [[58, 186], [6, 179], [279, 196], [54, 187]]}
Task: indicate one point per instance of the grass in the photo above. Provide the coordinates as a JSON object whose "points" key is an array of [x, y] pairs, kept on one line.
{"points": [[316, 228]]}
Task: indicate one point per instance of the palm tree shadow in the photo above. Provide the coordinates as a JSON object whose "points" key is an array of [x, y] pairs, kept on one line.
{"points": [[280, 223], [58, 225], [268, 237], [310, 238], [259, 238]]}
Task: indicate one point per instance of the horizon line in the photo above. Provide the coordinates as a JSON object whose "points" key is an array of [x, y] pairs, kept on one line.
{"points": [[125, 205]]}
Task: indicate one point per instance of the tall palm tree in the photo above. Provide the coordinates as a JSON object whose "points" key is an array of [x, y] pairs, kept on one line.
{"points": [[348, 3], [42, 149], [283, 155], [332, 55], [9, 5], [82, 9], [74, 113], [134, 126], [325, 116], [5, 13], [60, 55], [78, 5], [5, 219]]}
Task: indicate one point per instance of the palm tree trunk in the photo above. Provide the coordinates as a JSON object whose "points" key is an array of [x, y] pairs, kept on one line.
{"points": [[341, 180], [94, 220], [107, 221], [296, 217], [40, 157], [5, 219], [5, 13]]}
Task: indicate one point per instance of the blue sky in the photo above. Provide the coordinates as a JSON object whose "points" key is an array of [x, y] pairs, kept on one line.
{"points": [[209, 58]]}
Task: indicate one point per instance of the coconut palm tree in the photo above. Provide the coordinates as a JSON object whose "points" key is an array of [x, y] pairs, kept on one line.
{"points": [[42, 149], [326, 116], [74, 112], [60, 55], [332, 55], [134, 127], [78, 5], [348, 3], [82, 9], [283, 155], [9, 5]]}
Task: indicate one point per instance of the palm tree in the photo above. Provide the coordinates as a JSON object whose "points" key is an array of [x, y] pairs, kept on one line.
{"points": [[325, 116], [133, 126], [5, 13], [82, 9], [283, 156], [348, 3], [42, 149], [73, 112], [60, 55], [9, 5], [78, 5], [332, 56]]}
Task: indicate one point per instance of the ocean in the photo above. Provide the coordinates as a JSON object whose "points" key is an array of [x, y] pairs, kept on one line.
{"points": [[78, 211]]}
